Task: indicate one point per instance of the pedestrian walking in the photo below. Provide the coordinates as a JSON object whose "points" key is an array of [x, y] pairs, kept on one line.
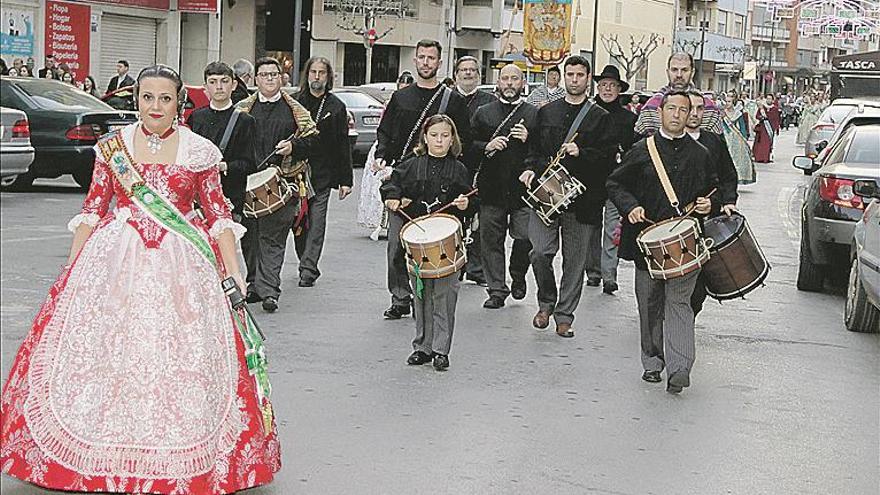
{"points": [[765, 132], [432, 178], [134, 377], [809, 116]]}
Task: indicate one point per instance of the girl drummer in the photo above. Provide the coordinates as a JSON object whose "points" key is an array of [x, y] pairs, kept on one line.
{"points": [[420, 186]]}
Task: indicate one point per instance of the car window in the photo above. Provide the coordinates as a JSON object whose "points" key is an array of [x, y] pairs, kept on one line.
{"points": [[865, 146], [354, 99], [9, 99], [836, 113], [837, 153], [53, 95]]}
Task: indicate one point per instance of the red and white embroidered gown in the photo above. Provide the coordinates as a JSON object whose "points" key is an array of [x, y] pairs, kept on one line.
{"points": [[133, 377]]}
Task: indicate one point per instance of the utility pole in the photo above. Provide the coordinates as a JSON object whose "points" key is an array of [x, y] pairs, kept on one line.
{"points": [[769, 84], [704, 25], [595, 34], [297, 40]]}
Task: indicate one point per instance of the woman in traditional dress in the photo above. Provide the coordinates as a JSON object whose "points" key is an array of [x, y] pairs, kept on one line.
{"points": [[809, 116], [134, 376], [735, 114], [733, 122], [764, 132]]}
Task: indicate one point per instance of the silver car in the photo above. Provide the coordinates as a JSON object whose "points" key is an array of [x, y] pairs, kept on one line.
{"points": [[822, 131], [366, 112], [861, 313], [16, 152]]}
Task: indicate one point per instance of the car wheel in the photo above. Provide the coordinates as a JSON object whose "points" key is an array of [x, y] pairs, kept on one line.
{"points": [[810, 275], [859, 314], [83, 178]]}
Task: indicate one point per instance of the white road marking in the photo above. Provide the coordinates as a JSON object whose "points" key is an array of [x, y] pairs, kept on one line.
{"points": [[30, 239], [792, 225]]}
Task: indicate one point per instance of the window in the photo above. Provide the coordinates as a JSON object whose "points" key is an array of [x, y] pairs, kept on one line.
{"points": [[739, 26], [618, 12], [477, 3], [722, 22]]}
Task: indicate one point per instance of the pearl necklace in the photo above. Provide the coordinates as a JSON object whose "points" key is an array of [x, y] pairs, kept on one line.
{"points": [[154, 141]]}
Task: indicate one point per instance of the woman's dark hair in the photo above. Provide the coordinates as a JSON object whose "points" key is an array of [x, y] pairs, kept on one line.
{"points": [[422, 148], [304, 78], [94, 90], [4, 70], [218, 69], [165, 72]]}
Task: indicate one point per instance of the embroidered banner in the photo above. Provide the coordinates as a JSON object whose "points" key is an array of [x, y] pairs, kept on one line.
{"points": [[547, 31]]}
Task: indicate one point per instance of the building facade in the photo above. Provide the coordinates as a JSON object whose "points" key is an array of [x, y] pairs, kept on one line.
{"points": [[717, 33]]}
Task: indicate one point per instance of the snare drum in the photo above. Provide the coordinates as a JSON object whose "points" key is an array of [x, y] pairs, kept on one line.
{"points": [[554, 191], [266, 193], [673, 248], [435, 250]]}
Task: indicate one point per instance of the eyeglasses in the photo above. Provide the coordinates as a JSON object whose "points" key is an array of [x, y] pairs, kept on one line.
{"points": [[268, 75]]}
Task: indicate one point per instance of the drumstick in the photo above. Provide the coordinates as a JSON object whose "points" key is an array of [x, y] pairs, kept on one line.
{"points": [[411, 219], [288, 138], [446, 207], [693, 208]]}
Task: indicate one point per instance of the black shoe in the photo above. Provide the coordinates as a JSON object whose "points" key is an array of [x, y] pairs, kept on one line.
{"points": [[651, 376], [593, 281], [494, 302], [396, 312], [680, 380], [270, 304], [477, 280], [610, 287], [253, 297], [417, 358], [518, 290], [441, 362], [306, 282]]}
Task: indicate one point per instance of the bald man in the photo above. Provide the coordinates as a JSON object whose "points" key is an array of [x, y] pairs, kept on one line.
{"points": [[501, 131]]}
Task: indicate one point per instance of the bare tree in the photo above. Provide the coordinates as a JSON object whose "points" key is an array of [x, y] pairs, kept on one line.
{"points": [[688, 46], [359, 17], [633, 58]]}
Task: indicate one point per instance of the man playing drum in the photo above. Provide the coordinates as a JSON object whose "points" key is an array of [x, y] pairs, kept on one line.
{"points": [[398, 134], [643, 191], [278, 116], [501, 132], [579, 129]]}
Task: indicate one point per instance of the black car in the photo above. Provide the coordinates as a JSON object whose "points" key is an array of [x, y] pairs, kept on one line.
{"points": [[831, 207], [65, 124]]}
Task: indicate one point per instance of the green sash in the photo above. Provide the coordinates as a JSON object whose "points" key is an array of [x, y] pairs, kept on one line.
{"points": [[162, 211]]}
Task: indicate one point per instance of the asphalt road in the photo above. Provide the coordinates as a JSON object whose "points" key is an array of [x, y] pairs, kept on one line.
{"points": [[783, 399]]}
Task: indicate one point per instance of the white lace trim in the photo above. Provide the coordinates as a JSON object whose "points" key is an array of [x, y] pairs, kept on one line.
{"points": [[222, 224], [90, 219], [195, 153]]}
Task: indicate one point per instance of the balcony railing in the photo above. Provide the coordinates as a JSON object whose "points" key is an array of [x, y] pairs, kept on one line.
{"points": [[765, 33]]}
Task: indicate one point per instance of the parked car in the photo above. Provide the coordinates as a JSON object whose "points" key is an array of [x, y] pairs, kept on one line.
{"points": [[823, 129], [862, 310], [366, 112], [16, 152], [830, 208], [196, 97], [65, 124], [860, 115], [352, 128], [379, 91]]}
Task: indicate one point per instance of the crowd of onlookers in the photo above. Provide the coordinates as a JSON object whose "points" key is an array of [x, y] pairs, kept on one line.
{"points": [[53, 70]]}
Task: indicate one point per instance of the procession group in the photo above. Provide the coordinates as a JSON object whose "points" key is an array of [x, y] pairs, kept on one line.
{"points": [[142, 374]]}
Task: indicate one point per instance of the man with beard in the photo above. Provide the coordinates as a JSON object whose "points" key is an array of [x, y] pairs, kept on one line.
{"points": [[723, 169], [467, 77], [550, 91], [602, 258], [231, 130], [244, 76], [277, 116], [680, 71], [636, 188], [330, 162], [398, 134], [500, 131], [580, 129]]}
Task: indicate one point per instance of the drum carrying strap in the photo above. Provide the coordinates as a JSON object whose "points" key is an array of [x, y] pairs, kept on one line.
{"points": [[577, 120], [661, 173], [405, 151], [227, 134]]}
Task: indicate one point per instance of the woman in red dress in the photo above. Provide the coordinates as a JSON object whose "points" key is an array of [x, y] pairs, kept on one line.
{"points": [[764, 132], [133, 378]]}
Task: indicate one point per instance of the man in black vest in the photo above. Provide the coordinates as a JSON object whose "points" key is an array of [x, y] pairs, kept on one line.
{"points": [[235, 138], [121, 79], [501, 131], [330, 161], [579, 129], [398, 134]]}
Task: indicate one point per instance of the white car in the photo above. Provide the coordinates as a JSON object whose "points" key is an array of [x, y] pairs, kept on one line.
{"points": [[16, 152], [861, 313]]}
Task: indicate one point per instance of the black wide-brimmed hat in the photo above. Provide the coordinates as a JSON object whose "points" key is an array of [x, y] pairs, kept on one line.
{"points": [[612, 72]]}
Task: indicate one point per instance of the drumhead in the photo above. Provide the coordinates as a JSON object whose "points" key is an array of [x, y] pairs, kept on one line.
{"points": [[723, 229], [668, 229], [260, 178], [433, 228]]}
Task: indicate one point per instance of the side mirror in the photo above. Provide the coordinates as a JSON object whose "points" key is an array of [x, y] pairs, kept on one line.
{"points": [[866, 188], [804, 163], [821, 145]]}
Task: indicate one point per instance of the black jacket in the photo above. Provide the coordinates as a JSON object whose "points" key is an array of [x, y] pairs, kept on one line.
{"points": [[472, 155], [498, 178], [595, 143], [723, 166], [429, 181], [240, 92], [330, 159], [636, 183], [620, 122], [126, 81]]}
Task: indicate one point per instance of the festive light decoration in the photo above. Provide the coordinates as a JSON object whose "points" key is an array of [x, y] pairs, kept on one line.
{"points": [[842, 19]]}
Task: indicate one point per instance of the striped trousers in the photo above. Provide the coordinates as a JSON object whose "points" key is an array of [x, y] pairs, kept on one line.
{"points": [[666, 321]]}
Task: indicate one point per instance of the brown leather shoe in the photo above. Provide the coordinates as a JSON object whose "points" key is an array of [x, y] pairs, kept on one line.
{"points": [[564, 330], [541, 320]]}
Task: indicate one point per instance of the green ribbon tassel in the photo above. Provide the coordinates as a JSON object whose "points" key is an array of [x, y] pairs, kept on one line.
{"points": [[420, 286]]}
